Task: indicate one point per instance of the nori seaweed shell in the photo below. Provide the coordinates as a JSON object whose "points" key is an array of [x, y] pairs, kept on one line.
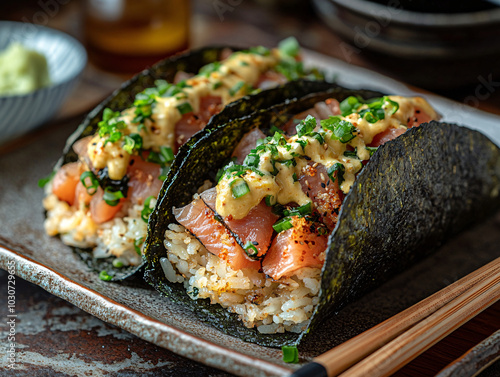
{"points": [[166, 69], [415, 193]]}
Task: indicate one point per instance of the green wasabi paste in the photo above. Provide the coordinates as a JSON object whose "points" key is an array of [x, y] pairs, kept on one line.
{"points": [[22, 70]]}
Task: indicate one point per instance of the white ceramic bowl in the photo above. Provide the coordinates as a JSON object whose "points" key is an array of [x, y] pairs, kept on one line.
{"points": [[66, 59]]}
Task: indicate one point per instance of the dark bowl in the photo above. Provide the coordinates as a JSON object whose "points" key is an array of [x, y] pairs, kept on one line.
{"points": [[445, 45]]}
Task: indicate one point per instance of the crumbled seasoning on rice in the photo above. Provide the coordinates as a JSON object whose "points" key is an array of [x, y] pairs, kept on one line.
{"points": [[116, 237], [271, 306]]}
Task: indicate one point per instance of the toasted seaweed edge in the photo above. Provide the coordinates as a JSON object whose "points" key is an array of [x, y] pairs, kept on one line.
{"points": [[189, 170], [436, 179]]}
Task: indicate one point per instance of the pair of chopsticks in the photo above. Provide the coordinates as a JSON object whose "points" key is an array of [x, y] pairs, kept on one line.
{"points": [[385, 348]]}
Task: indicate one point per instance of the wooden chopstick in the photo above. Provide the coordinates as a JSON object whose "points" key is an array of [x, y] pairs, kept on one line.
{"points": [[452, 306]]}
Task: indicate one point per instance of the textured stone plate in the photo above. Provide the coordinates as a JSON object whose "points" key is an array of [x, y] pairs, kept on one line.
{"points": [[140, 310]]}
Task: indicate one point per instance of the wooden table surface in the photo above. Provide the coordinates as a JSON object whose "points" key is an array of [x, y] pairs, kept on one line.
{"points": [[59, 339]]}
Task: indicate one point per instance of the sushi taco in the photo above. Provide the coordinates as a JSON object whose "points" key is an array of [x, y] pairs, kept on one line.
{"points": [[268, 223], [106, 184]]}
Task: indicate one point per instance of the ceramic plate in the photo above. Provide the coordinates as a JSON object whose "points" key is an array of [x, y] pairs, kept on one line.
{"points": [[138, 309]]}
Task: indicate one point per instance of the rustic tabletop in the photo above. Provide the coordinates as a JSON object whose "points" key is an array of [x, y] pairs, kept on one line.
{"points": [[58, 339]]}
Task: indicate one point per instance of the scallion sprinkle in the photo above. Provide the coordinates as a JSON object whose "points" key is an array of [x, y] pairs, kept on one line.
{"points": [[250, 249], [239, 187], [290, 354], [90, 182], [112, 198], [282, 225]]}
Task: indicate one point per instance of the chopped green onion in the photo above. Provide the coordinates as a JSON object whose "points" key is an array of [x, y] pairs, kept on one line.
{"points": [[209, 68], [318, 137], [239, 188], [43, 181], [290, 354], [117, 263], [184, 108], [137, 244], [90, 182], [216, 85], [372, 150], [289, 47], [112, 198], [282, 225], [103, 275], [167, 154], [259, 50], [294, 176], [340, 169], [270, 200], [250, 249], [353, 153], [252, 159], [147, 210], [303, 210], [306, 126], [236, 88], [133, 142], [350, 105], [342, 130], [391, 106]]}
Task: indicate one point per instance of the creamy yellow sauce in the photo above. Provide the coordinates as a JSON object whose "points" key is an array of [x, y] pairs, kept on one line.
{"points": [[285, 188], [160, 129]]}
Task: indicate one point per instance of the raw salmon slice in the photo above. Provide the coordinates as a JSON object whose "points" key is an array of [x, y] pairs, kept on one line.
{"points": [[304, 245], [255, 229], [217, 239]]}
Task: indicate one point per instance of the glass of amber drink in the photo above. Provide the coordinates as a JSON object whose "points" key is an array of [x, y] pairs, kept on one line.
{"points": [[129, 35]]}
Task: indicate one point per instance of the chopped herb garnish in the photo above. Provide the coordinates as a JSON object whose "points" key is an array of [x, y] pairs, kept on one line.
{"points": [[209, 68], [133, 142], [252, 159], [184, 108], [258, 50], [250, 249], [237, 87], [307, 126], [166, 153], [342, 130], [112, 198], [103, 275], [110, 126], [290, 354], [372, 150], [239, 187], [353, 153], [216, 85], [117, 263], [318, 137], [303, 210], [350, 105], [270, 200], [294, 176], [340, 169], [43, 181], [137, 244], [289, 47], [282, 225], [90, 182], [147, 210]]}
